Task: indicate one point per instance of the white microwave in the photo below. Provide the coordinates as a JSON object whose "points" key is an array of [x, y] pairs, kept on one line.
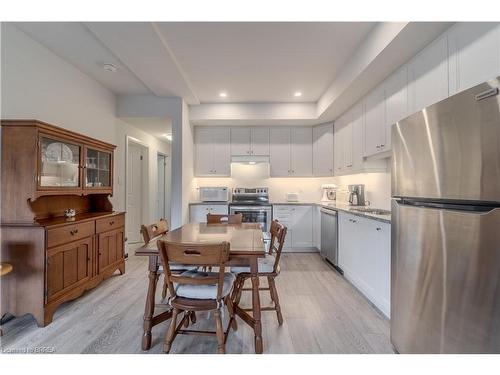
{"points": [[214, 194]]}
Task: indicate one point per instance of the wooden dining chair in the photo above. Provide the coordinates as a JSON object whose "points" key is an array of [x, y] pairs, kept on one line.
{"points": [[224, 219], [152, 231], [267, 267], [193, 291]]}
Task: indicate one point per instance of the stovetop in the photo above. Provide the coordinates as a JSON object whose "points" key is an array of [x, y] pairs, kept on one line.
{"points": [[250, 196]]}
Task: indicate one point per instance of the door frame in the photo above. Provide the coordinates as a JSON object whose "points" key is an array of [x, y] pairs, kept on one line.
{"points": [[145, 172], [166, 187]]}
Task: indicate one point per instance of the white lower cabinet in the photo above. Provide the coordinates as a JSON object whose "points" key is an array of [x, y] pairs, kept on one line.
{"points": [[299, 221], [365, 257], [198, 212]]}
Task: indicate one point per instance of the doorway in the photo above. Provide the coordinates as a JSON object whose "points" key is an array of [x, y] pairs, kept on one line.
{"points": [[135, 190], [163, 188]]}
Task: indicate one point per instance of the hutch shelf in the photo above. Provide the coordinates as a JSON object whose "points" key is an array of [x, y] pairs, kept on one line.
{"points": [[47, 170]]}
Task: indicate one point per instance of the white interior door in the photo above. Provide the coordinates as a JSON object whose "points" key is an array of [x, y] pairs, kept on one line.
{"points": [[134, 192]]}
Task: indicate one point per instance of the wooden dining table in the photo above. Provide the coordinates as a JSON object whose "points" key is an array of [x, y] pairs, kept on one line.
{"points": [[246, 246]]}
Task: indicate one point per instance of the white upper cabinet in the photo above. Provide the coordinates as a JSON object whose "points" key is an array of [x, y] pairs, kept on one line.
{"points": [[396, 102], [259, 141], [213, 151], [474, 54], [428, 75], [291, 152], [354, 140], [280, 152], [323, 150], [240, 141], [250, 141], [338, 145], [301, 152], [375, 133]]}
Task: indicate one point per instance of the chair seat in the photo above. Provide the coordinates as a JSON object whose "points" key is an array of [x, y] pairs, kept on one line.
{"points": [[179, 267], [204, 291], [265, 265]]}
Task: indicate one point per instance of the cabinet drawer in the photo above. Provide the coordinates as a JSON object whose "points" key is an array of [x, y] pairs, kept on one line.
{"points": [[109, 223], [69, 233]]}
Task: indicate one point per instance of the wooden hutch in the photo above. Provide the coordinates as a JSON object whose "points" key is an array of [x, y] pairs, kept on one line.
{"points": [[45, 171]]}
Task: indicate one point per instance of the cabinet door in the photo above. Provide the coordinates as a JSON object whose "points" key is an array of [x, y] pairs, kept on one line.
{"points": [[280, 152], [204, 160], [218, 209], [428, 75], [374, 122], [323, 150], [396, 102], [338, 145], [97, 169], [260, 141], [356, 139], [68, 266], [221, 151], [198, 213], [240, 141], [301, 152], [302, 226], [110, 249], [382, 246], [59, 164], [474, 49]]}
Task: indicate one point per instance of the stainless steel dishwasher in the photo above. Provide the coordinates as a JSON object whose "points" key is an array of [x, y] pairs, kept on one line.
{"points": [[329, 243]]}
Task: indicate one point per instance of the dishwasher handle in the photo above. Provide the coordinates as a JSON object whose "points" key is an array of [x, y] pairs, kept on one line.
{"points": [[328, 212]]}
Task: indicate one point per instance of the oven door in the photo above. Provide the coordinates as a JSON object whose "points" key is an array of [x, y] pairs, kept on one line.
{"points": [[255, 214]]}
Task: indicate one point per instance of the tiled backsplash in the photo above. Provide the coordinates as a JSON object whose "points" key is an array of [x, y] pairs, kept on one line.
{"points": [[377, 185]]}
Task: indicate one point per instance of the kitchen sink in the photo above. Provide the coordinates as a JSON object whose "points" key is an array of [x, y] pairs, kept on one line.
{"points": [[374, 211]]}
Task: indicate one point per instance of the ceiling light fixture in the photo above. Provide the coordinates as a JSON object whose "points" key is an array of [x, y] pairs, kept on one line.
{"points": [[223, 94], [297, 94], [168, 136], [110, 68]]}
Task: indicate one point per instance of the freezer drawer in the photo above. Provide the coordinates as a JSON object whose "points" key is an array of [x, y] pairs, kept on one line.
{"points": [[445, 295]]}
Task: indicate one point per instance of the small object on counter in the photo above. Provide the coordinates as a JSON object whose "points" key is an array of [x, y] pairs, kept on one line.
{"points": [[70, 213], [329, 192]]}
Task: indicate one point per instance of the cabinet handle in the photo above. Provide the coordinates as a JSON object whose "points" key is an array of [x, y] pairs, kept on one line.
{"points": [[349, 166], [111, 222], [378, 146], [379, 228], [73, 232], [382, 146]]}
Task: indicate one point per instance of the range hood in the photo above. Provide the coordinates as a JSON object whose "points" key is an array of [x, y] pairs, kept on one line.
{"points": [[249, 159]]}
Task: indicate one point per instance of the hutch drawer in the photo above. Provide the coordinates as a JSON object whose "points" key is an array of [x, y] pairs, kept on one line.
{"points": [[110, 223], [69, 233]]}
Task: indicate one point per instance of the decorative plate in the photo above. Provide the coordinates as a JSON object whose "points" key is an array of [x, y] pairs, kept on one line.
{"points": [[58, 151]]}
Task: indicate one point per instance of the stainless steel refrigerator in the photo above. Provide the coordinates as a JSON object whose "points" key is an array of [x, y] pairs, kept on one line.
{"points": [[445, 287]]}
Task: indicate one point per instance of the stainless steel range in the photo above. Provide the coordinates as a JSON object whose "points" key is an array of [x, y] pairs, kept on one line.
{"points": [[253, 204]]}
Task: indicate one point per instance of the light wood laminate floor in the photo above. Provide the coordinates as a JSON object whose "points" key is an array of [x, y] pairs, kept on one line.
{"points": [[322, 313]]}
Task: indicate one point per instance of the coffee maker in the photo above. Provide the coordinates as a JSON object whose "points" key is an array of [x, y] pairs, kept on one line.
{"points": [[356, 195]]}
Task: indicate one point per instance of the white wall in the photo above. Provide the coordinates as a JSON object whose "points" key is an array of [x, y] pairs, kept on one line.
{"points": [[377, 185], [37, 84], [187, 163]]}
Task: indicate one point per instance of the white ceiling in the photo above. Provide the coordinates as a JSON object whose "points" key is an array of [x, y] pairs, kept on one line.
{"points": [[155, 126], [262, 62], [252, 62]]}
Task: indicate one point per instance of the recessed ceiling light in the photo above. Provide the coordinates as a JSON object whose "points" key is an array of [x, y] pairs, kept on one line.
{"points": [[110, 68], [223, 94], [168, 136], [297, 94]]}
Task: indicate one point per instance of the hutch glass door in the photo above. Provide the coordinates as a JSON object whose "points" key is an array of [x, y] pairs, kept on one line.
{"points": [[60, 161], [98, 168]]}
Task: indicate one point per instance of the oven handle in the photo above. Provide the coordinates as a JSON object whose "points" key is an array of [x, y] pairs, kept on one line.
{"points": [[246, 208]]}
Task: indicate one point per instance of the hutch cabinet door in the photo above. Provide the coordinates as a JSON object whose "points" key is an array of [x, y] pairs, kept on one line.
{"points": [[58, 164], [98, 167], [68, 266], [110, 248]]}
